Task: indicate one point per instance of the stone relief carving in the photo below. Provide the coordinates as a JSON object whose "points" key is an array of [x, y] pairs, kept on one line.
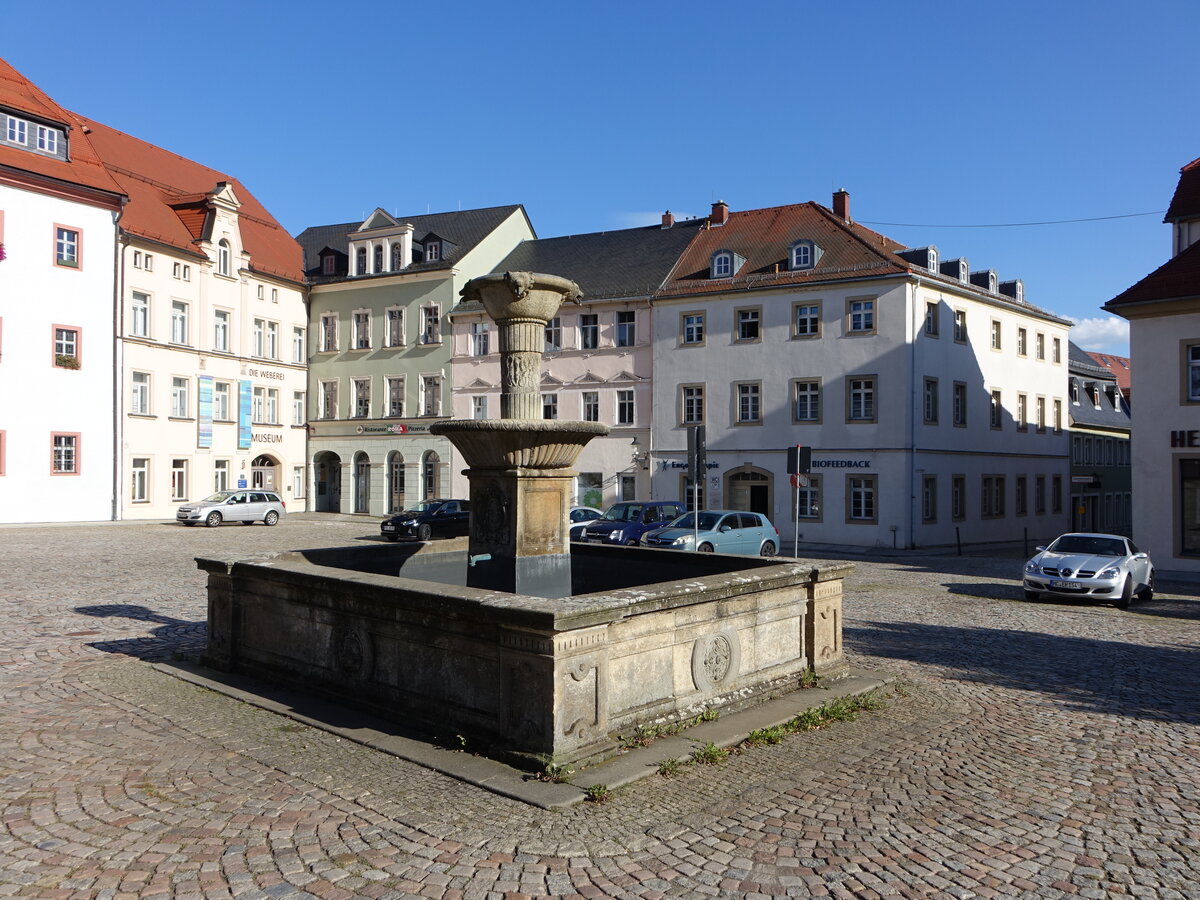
{"points": [[581, 700], [490, 514], [715, 660], [353, 655]]}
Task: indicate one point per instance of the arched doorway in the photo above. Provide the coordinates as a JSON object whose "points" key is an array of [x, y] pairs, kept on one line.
{"points": [[749, 488], [327, 468], [430, 476], [264, 473], [362, 482], [395, 482]]}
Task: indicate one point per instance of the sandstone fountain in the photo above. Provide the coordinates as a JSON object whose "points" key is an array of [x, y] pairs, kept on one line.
{"points": [[526, 646]]}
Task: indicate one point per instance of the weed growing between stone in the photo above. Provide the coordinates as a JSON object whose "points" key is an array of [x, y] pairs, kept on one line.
{"points": [[597, 793], [709, 754]]}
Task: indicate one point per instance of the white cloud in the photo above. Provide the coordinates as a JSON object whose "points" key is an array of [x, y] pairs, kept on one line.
{"points": [[641, 219], [1105, 334]]}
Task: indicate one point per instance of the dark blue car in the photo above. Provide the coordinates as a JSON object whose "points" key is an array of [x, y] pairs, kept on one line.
{"points": [[625, 523]]}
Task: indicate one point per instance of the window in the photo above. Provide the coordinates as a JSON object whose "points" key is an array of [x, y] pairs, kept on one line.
{"points": [[479, 408], [1021, 503], [18, 130], [187, 272], [860, 499], [1056, 345], [806, 319], [802, 256], [693, 494], [378, 257], [431, 395], [179, 322], [259, 336], [722, 264], [1193, 372], [809, 499], [397, 256], [362, 397], [179, 398], [149, 262], [362, 330], [432, 331], [328, 264], [329, 341], [179, 479], [298, 345], [479, 339], [1057, 416], [1022, 342], [66, 246], [748, 405], [554, 335], [176, 269], [960, 403], [1022, 412], [862, 316], [298, 416], [65, 454], [329, 399], [591, 406], [931, 401], [395, 327], [625, 407], [47, 139], [360, 257], [692, 328], [996, 342], [139, 317], [931, 319], [395, 396], [996, 418], [433, 251], [1075, 392], [139, 479], [626, 328], [1056, 494], [1040, 413], [549, 406], [958, 497], [589, 331], [929, 498], [991, 505], [806, 406], [691, 404], [221, 330], [1039, 346], [260, 292], [960, 326], [67, 347], [272, 340], [861, 400], [1039, 495], [223, 260], [298, 481], [221, 405], [747, 322], [139, 400]]}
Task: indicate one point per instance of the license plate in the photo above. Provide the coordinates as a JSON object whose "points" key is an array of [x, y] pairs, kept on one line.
{"points": [[1067, 585], [389, 527]]}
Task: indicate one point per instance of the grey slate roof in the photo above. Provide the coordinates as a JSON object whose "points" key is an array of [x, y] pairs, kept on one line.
{"points": [[1085, 371], [632, 262], [464, 229]]}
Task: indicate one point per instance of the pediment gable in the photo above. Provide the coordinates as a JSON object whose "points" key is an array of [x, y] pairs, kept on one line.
{"points": [[378, 219]]}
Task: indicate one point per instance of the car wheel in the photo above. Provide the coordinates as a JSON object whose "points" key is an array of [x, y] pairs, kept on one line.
{"points": [[1147, 593], [1126, 594], [768, 549], [705, 548], [271, 517], [213, 519], [392, 537], [424, 533], [1032, 596]]}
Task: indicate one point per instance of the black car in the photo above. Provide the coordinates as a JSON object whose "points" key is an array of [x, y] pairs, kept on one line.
{"points": [[428, 519]]}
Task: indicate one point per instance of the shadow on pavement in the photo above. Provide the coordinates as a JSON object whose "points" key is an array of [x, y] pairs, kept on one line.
{"points": [[172, 638]]}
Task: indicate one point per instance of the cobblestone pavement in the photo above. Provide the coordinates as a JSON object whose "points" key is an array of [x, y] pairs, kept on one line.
{"points": [[1032, 750]]}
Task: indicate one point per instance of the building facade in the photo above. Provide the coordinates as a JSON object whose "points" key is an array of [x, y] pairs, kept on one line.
{"points": [[1101, 481], [932, 396], [380, 349], [598, 364], [1163, 310], [58, 238]]}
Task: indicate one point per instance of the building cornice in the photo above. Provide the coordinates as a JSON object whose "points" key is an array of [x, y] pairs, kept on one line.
{"points": [[66, 190]]}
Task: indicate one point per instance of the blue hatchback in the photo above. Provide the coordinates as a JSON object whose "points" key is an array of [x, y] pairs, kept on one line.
{"points": [[720, 531], [625, 523]]}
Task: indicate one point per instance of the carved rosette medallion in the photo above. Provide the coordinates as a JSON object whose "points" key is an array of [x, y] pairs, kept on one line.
{"points": [[353, 655], [715, 660]]}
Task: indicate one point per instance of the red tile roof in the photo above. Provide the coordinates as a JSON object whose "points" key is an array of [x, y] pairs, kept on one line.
{"points": [[1176, 279], [1186, 202], [168, 202], [84, 168], [1118, 365]]}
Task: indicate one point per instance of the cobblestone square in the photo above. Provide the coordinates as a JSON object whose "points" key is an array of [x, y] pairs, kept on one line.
{"points": [[1030, 750]]}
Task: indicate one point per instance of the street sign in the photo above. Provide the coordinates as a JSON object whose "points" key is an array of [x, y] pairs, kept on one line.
{"points": [[799, 481], [697, 453], [799, 460]]}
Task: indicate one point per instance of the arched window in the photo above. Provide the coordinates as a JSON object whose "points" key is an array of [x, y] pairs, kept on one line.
{"points": [[397, 256], [430, 476], [223, 257], [362, 482], [360, 259], [379, 257], [722, 264], [395, 481]]}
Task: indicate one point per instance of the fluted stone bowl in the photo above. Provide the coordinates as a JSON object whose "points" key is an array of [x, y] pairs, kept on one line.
{"points": [[521, 295], [514, 443]]}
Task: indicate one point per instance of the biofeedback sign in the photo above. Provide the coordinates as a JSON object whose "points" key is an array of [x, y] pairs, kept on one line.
{"points": [[841, 464]]}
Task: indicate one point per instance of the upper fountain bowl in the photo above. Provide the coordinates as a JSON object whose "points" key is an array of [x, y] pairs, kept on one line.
{"points": [[521, 295]]}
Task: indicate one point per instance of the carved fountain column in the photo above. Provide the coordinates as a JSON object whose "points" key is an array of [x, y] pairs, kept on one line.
{"points": [[520, 466]]}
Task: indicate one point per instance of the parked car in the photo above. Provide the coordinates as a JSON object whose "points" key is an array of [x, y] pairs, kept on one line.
{"points": [[579, 518], [246, 507], [428, 519], [1106, 566], [719, 531], [625, 523]]}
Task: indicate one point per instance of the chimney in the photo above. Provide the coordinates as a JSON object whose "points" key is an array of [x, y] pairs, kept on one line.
{"points": [[720, 213], [668, 220], [841, 204]]}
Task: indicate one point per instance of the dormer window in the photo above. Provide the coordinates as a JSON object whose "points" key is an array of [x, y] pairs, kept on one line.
{"points": [[991, 282], [223, 260], [397, 256], [1075, 392], [1020, 292], [328, 264], [378, 257], [18, 131], [933, 259], [724, 264], [47, 139], [433, 251], [803, 255], [360, 259]]}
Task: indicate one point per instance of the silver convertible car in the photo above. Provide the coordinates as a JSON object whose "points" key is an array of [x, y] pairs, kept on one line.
{"points": [[1103, 566]]}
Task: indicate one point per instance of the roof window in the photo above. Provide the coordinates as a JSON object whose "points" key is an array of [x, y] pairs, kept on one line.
{"points": [[725, 264], [803, 254]]}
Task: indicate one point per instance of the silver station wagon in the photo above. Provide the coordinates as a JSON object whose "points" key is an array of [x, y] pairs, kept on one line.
{"points": [[246, 507]]}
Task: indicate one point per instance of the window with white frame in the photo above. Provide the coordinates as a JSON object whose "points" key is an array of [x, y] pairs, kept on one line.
{"points": [[1022, 412], [362, 330], [66, 247], [328, 264], [549, 406], [258, 406], [360, 258], [996, 410], [748, 323], [377, 256], [802, 255], [395, 327], [65, 449], [479, 339], [329, 399], [861, 400], [139, 487], [139, 315], [148, 262], [862, 316], [1022, 342], [259, 332], [298, 345], [362, 397], [997, 343], [221, 330], [626, 328], [931, 318], [259, 291], [47, 139], [931, 401], [479, 407], [223, 257], [749, 407], [722, 264], [187, 272], [395, 396], [808, 498], [554, 335], [139, 399], [431, 395], [221, 401], [1057, 416], [1193, 372], [179, 479], [861, 499], [692, 328], [960, 326], [397, 256], [691, 404], [18, 131], [433, 251], [272, 410], [298, 417], [960, 403], [625, 410], [329, 339], [298, 482], [1039, 346], [179, 322], [806, 319], [589, 331], [431, 333], [1040, 413], [1056, 348], [179, 398], [66, 347], [591, 406], [176, 270], [806, 405], [272, 340]]}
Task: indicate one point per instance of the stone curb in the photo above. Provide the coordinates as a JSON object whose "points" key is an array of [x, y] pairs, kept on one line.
{"points": [[630, 766]]}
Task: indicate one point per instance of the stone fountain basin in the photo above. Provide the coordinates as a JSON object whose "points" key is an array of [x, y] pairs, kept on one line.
{"points": [[514, 443]]}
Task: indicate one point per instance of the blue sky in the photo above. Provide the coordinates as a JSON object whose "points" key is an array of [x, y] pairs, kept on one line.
{"points": [[601, 116]]}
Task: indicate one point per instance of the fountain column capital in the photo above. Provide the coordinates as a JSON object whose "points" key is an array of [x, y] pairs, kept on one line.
{"points": [[515, 296]]}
